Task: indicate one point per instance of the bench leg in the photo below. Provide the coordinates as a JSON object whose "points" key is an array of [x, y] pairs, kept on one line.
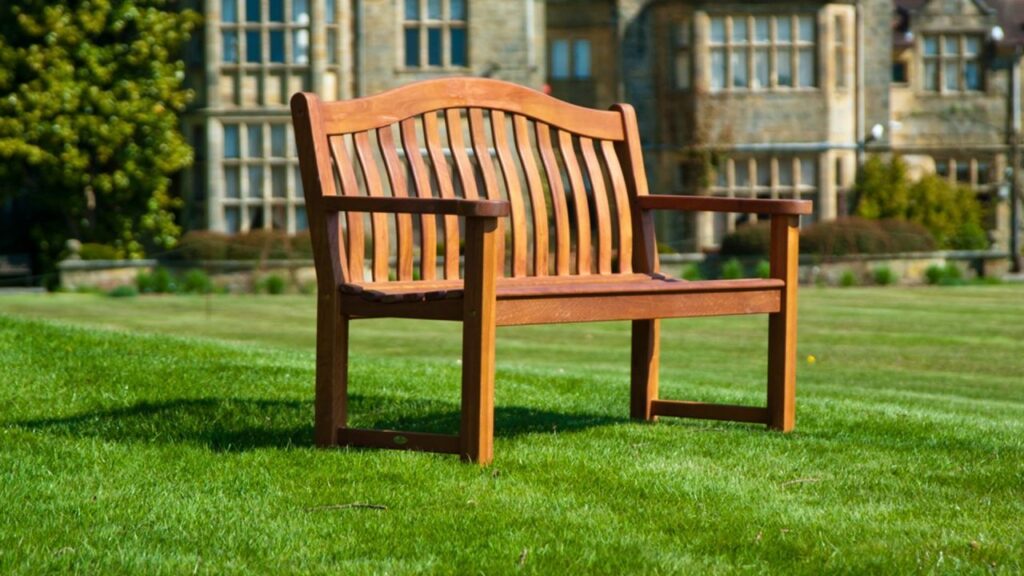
{"points": [[331, 405], [644, 370], [782, 326], [476, 432]]}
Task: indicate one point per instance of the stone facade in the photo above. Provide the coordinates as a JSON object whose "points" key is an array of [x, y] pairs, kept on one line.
{"points": [[253, 54]]}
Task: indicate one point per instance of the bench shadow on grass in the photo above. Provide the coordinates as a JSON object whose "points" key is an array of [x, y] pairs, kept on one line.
{"points": [[241, 424]]}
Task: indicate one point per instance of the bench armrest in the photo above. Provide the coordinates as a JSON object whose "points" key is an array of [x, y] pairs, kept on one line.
{"points": [[440, 206], [712, 204]]}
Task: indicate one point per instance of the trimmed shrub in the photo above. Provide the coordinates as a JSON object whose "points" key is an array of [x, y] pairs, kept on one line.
{"points": [[763, 269], [884, 276], [272, 284], [159, 282], [691, 272], [94, 251], [124, 291], [848, 279], [846, 236], [748, 240], [196, 281], [948, 275], [732, 269]]}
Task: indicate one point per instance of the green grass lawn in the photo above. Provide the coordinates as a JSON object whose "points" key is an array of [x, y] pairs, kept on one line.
{"points": [[173, 435]]}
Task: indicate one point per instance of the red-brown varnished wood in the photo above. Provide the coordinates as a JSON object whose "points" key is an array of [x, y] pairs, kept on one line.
{"points": [[421, 180], [355, 240], [538, 203], [399, 440], [448, 206], [682, 409], [444, 184], [623, 211], [645, 354], [457, 147], [604, 223], [784, 259], [645, 252], [378, 221], [580, 202], [509, 170], [554, 180], [399, 189], [415, 99], [711, 204], [482, 153]]}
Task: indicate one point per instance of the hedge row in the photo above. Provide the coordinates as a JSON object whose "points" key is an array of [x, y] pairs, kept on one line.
{"points": [[841, 237]]}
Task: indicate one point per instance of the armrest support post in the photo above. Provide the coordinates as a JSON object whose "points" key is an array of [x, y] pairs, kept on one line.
{"points": [[784, 258]]}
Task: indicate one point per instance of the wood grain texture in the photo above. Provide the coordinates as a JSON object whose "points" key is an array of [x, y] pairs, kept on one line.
{"points": [[711, 204], [682, 409], [509, 172], [355, 239], [557, 195], [378, 221], [399, 189], [444, 184], [623, 211], [398, 440], [581, 205], [421, 180], [645, 354], [538, 202], [601, 206], [449, 206], [784, 259]]}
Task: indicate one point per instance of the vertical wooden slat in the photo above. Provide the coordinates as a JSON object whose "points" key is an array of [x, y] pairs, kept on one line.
{"points": [[623, 212], [457, 145], [645, 253], [476, 430], [579, 195], [403, 222], [356, 240], [554, 178], [645, 355], [515, 194], [444, 185], [378, 221], [421, 179], [478, 137], [601, 208], [537, 202], [784, 258]]}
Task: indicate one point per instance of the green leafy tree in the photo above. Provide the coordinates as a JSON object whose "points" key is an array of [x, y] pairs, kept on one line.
{"points": [[951, 213], [90, 93]]}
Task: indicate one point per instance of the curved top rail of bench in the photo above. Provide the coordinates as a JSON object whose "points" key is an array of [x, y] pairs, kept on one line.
{"points": [[411, 100]]}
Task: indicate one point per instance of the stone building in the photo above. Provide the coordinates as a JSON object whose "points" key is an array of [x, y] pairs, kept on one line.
{"points": [[251, 55], [782, 98]]}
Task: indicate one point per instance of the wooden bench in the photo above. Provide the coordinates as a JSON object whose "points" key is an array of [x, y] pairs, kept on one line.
{"points": [[551, 203]]}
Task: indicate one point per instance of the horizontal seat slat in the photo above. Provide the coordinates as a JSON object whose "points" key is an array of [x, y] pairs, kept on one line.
{"points": [[554, 286]]}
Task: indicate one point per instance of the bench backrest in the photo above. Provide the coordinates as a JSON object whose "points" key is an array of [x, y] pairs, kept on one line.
{"points": [[570, 175]]}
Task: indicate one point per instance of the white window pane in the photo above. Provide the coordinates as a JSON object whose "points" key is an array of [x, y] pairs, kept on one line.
{"points": [[785, 172], [277, 140], [229, 46], [412, 9], [330, 11], [255, 182], [457, 44], [951, 46], [783, 30], [232, 146], [806, 28], [718, 30], [560, 59], [277, 10], [279, 217], [232, 182], [931, 75], [252, 10], [683, 70], [784, 67], [951, 71], [254, 133], [717, 69], [279, 181], [457, 9], [253, 46], [300, 219], [739, 30], [809, 172], [764, 173], [277, 46], [762, 32], [971, 45], [741, 172], [300, 11], [722, 176], [931, 46], [297, 175], [434, 9], [761, 69], [972, 75], [231, 219], [739, 69], [300, 46], [581, 59], [806, 67], [229, 11]]}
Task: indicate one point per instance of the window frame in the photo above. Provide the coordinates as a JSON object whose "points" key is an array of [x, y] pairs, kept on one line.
{"points": [[941, 59], [423, 25], [750, 48]]}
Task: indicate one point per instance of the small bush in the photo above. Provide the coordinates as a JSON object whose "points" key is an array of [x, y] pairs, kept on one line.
{"points": [[748, 240], [196, 281], [732, 269], [884, 276], [763, 269], [692, 272], [846, 236], [948, 275], [272, 284], [848, 279], [664, 248], [93, 251], [124, 291], [159, 282]]}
